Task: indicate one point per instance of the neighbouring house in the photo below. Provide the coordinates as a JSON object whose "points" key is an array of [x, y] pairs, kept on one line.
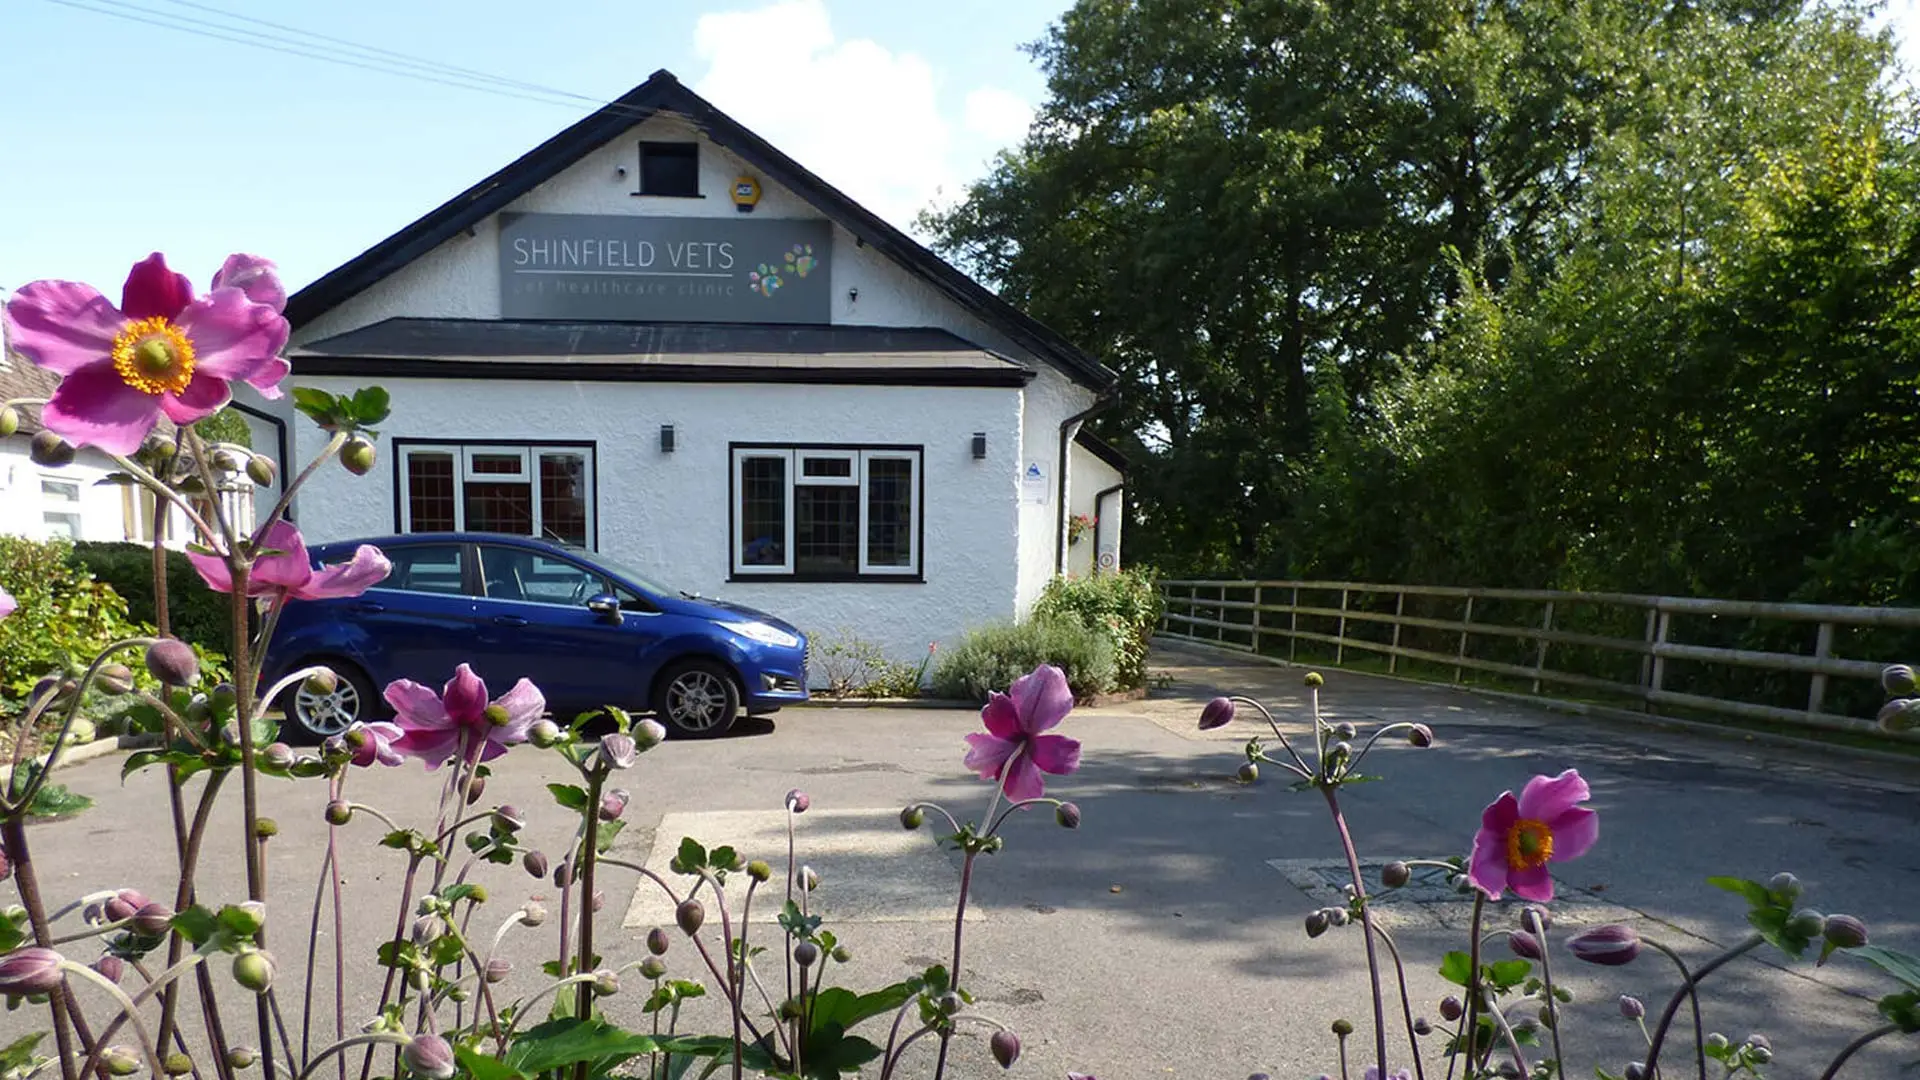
{"points": [[78, 501], [657, 336]]}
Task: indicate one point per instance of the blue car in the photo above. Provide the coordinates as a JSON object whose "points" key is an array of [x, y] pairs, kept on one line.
{"points": [[588, 632]]}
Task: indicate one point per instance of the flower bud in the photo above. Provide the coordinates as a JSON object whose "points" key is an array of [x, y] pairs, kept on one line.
{"points": [[30, 970], [1314, 680], [1451, 1009], [535, 863], [339, 812], [153, 920], [428, 929], [618, 751], [1758, 1040], [1845, 932], [1524, 944], [428, 1056], [1343, 1027], [322, 683], [1345, 730], [912, 818], [1422, 1026], [948, 1003], [498, 968], [806, 953], [1218, 714], [759, 871], [689, 916], [1006, 1047], [261, 470], [9, 420], [652, 968], [122, 905], [110, 967], [1317, 923], [1340, 751], [841, 954], [599, 899], [1716, 1041], [242, 1057], [798, 801], [172, 661], [358, 455], [657, 941], [1632, 1008], [809, 878], [543, 733], [1784, 884], [1899, 679], [533, 913], [1420, 735], [279, 755], [114, 679], [1612, 945], [648, 734], [1900, 714], [507, 818], [1760, 1055], [476, 787], [1338, 916], [1634, 1071], [1807, 923], [254, 970], [119, 1061], [613, 804], [1395, 874], [49, 450], [176, 1064], [605, 983], [1068, 815], [563, 874], [1248, 772]]}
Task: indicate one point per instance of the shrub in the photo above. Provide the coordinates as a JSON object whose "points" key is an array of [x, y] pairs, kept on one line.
{"points": [[195, 613], [992, 657], [854, 667], [64, 617], [1123, 607]]}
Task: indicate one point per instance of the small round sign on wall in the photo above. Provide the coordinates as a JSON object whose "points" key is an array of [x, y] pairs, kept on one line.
{"points": [[1109, 559]]}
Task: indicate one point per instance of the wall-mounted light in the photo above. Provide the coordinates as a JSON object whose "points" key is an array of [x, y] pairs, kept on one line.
{"points": [[853, 296], [666, 438], [979, 446]]}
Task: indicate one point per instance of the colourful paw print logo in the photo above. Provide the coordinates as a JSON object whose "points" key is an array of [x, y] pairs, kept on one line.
{"points": [[800, 260], [765, 280]]}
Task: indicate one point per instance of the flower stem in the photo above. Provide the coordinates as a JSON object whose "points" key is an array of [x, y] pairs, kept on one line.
{"points": [[596, 779], [1553, 1004], [26, 879], [1406, 1004], [1470, 1025], [1366, 919], [1853, 1047], [1693, 996], [1673, 1003]]}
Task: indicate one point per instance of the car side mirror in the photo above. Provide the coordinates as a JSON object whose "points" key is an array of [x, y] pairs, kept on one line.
{"points": [[605, 605]]}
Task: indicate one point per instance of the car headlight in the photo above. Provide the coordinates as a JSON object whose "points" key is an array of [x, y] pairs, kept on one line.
{"points": [[762, 633]]}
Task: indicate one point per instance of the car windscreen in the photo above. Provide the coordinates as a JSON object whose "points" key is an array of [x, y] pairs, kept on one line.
{"points": [[622, 570]]}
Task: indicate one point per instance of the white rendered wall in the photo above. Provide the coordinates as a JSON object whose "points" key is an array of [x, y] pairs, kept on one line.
{"points": [[1091, 476]]}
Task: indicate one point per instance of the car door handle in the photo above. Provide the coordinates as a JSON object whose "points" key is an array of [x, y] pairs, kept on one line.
{"points": [[369, 607], [509, 620]]}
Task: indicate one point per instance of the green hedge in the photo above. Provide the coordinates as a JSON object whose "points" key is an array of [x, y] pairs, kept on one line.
{"points": [[196, 614], [990, 658], [1124, 608]]}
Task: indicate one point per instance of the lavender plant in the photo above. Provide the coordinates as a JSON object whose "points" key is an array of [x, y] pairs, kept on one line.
{"points": [[1507, 1018], [448, 1002]]}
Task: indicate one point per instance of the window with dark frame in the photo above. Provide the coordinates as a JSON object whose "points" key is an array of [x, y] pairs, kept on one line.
{"points": [[835, 513], [669, 168], [517, 489]]}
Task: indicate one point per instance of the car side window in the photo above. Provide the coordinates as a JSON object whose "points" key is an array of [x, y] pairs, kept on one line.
{"points": [[439, 569], [515, 574]]}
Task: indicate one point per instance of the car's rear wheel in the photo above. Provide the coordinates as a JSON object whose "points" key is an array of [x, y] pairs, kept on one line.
{"points": [[320, 715], [697, 698]]}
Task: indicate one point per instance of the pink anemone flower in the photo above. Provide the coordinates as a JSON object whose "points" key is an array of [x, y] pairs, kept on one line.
{"points": [[162, 351], [434, 727], [1518, 838], [1015, 722], [7, 603], [291, 573], [373, 742]]}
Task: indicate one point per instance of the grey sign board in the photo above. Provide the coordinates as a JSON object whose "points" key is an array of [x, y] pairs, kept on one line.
{"points": [[650, 269]]}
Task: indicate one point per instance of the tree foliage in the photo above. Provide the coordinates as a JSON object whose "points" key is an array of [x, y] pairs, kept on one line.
{"points": [[1613, 293]]}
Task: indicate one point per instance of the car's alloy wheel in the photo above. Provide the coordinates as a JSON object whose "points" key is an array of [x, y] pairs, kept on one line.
{"points": [[330, 713], [698, 699]]}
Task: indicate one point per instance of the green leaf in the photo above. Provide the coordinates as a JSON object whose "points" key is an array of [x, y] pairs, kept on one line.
{"points": [[1771, 922], [19, 1052], [1897, 964], [318, 404], [604, 836], [569, 796], [1507, 974], [848, 1009], [1456, 967], [370, 405], [453, 894], [558, 1043], [196, 924], [800, 926], [485, 1066], [692, 857], [398, 954], [1902, 1009], [445, 950], [725, 858], [12, 934], [1756, 893]]}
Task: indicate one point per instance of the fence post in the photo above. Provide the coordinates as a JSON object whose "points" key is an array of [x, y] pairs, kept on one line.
{"points": [[1540, 655], [1257, 593], [1220, 615], [1293, 624], [1462, 653], [1340, 638], [1399, 610], [1822, 648], [1661, 628], [1646, 660]]}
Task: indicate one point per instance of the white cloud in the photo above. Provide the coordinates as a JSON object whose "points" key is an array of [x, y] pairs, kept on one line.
{"points": [[865, 118]]}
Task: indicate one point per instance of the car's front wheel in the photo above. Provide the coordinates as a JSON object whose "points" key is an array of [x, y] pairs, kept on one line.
{"points": [[698, 698], [320, 715]]}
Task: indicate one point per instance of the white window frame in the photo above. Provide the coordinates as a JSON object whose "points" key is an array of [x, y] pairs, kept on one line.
{"points": [[529, 474], [69, 507], [861, 460]]}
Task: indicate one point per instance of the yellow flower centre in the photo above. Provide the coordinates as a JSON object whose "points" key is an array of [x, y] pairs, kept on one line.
{"points": [[154, 356], [1529, 844]]}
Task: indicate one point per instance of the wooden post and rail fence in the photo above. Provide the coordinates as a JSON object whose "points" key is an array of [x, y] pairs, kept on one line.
{"points": [[1790, 664]]}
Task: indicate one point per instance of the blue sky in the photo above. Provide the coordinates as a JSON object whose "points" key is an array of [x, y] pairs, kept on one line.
{"points": [[118, 137]]}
